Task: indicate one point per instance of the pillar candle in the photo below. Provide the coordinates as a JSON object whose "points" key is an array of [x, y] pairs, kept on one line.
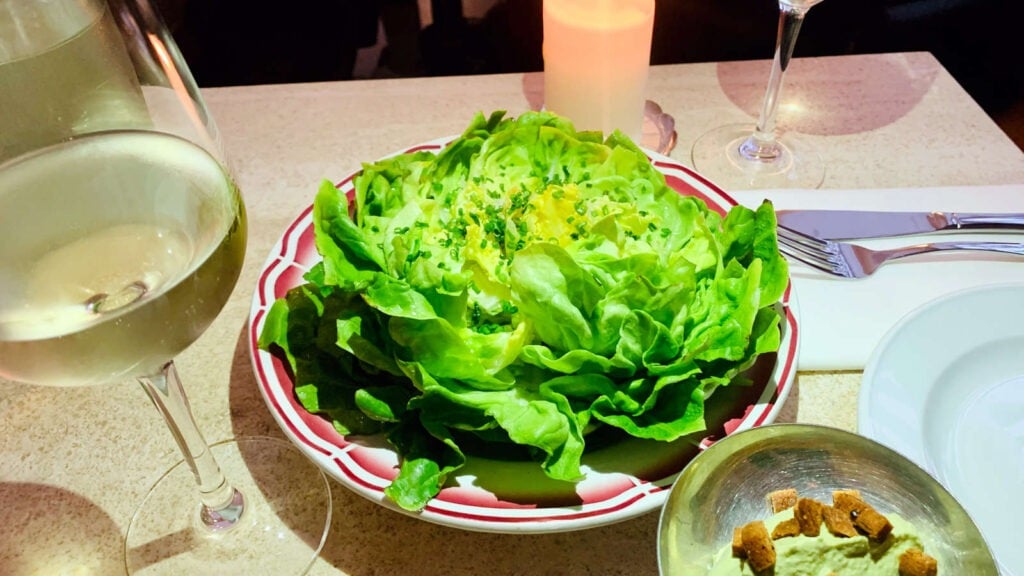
{"points": [[596, 57]]}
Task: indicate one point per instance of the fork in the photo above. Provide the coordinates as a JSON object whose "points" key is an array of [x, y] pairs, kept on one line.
{"points": [[854, 261]]}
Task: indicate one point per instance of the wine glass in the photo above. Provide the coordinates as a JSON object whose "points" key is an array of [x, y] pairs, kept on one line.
{"points": [[124, 237], [739, 156]]}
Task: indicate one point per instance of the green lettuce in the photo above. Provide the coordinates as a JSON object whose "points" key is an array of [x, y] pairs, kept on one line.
{"points": [[522, 286]]}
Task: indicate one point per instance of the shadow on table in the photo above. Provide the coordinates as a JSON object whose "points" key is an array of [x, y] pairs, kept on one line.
{"points": [[810, 107], [56, 525], [249, 414], [788, 412], [368, 539], [887, 88]]}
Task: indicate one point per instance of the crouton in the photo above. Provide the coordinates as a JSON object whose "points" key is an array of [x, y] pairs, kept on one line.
{"points": [[780, 500], [758, 546], [808, 513], [848, 502], [737, 543], [875, 526], [846, 492], [914, 562], [786, 529], [838, 522]]}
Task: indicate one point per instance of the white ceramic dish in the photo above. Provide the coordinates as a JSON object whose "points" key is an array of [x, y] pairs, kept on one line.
{"points": [[945, 387], [623, 479]]}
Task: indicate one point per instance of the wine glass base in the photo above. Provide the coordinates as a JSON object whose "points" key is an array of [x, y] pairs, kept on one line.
{"points": [[282, 530], [716, 156]]}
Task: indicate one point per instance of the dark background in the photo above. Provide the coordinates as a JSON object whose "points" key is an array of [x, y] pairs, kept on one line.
{"points": [[235, 42]]}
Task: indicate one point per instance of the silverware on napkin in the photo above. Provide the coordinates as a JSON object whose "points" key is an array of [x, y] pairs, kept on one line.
{"points": [[854, 261], [848, 224]]}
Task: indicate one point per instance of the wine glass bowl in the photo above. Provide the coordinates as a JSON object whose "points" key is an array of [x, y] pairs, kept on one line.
{"points": [[125, 236], [741, 156], [122, 261]]}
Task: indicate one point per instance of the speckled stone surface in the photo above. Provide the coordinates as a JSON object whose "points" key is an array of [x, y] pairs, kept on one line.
{"points": [[74, 463]]}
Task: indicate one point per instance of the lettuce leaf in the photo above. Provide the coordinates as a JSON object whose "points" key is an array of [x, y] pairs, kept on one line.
{"points": [[521, 286]]}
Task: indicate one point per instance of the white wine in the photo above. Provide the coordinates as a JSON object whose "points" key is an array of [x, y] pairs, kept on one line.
{"points": [[120, 249], [64, 71]]}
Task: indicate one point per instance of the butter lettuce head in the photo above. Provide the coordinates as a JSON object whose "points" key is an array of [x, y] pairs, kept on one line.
{"points": [[522, 286]]}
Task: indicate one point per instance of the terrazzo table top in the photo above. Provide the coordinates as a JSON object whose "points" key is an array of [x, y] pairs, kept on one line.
{"points": [[74, 463]]}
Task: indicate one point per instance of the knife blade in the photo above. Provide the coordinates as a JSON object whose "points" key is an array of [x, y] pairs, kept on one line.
{"points": [[854, 224]]}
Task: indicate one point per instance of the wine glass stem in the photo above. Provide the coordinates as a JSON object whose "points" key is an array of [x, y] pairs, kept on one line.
{"points": [[222, 505], [762, 144]]}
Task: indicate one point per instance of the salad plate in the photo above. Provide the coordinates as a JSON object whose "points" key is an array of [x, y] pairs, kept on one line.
{"points": [[945, 387], [624, 476]]}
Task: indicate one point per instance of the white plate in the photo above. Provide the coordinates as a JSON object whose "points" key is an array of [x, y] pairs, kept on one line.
{"points": [[945, 387], [623, 479]]}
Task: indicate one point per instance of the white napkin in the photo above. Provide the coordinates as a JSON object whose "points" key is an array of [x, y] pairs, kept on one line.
{"points": [[841, 321]]}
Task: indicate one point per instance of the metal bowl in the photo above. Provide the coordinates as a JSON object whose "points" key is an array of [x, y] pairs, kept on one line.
{"points": [[726, 485]]}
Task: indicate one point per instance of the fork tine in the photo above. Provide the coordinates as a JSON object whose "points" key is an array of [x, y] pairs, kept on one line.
{"points": [[815, 252], [799, 237], [804, 253], [811, 260], [807, 245]]}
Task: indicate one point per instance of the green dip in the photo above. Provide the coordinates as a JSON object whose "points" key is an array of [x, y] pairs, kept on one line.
{"points": [[827, 554]]}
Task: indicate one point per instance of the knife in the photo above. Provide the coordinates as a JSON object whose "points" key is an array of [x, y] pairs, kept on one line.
{"points": [[853, 224]]}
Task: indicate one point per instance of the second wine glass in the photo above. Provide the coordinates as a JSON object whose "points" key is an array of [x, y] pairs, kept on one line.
{"points": [[741, 156]]}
